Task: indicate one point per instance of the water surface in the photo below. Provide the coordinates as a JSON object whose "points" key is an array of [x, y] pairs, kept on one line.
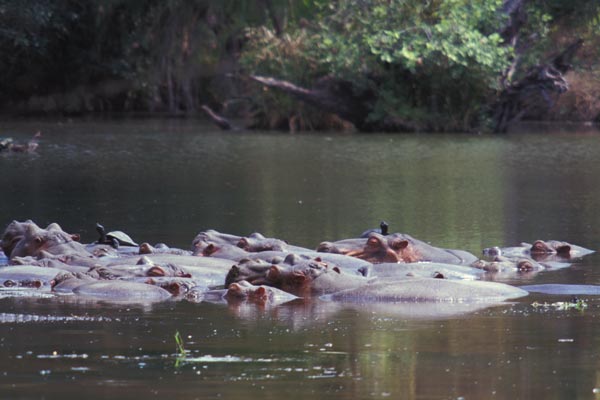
{"points": [[164, 181]]}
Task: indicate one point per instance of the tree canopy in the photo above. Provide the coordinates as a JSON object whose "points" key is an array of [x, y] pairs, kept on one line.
{"points": [[437, 65]]}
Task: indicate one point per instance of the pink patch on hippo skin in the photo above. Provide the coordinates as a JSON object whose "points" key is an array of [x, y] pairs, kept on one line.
{"points": [[208, 250], [156, 271]]}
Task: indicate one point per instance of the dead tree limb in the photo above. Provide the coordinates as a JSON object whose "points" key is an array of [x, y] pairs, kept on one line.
{"points": [[220, 121], [536, 93]]}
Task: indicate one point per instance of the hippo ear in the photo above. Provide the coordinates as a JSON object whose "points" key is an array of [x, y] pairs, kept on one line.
{"points": [[243, 244], [563, 250], [234, 290], [210, 249], [145, 248], [291, 259], [31, 229], [399, 244], [261, 291], [144, 261], [325, 247], [76, 237], [273, 273], [156, 271]]}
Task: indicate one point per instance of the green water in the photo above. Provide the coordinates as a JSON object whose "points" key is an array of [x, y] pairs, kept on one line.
{"points": [[164, 181]]}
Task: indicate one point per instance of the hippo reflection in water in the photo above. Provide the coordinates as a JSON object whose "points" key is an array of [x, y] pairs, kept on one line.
{"points": [[257, 269]]}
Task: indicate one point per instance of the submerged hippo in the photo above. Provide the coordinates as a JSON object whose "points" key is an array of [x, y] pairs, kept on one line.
{"points": [[244, 291], [429, 290], [506, 264], [396, 248], [29, 276], [122, 291], [394, 271], [540, 250]]}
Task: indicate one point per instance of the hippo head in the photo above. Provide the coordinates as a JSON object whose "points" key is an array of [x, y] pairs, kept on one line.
{"points": [[540, 247], [257, 242], [244, 290], [381, 249], [252, 271], [41, 243], [13, 233]]}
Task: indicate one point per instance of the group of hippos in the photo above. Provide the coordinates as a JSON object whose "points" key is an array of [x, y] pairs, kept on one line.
{"points": [[375, 267]]}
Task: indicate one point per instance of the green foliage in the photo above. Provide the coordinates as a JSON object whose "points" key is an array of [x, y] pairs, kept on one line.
{"points": [[437, 63]]}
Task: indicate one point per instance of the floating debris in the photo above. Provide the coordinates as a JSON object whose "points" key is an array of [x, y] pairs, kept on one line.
{"points": [[576, 304]]}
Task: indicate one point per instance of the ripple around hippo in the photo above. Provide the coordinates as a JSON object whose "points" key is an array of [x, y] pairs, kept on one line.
{"points": [[378, 268]]}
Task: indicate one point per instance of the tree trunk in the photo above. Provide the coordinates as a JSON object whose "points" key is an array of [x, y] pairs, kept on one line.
{"points": [[534, 95]]}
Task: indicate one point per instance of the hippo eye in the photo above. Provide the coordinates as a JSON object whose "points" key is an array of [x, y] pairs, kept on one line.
{"points": [[38, 240], [563, 250]]}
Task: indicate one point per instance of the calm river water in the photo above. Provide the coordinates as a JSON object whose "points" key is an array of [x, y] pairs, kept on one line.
{"points": [[164, 181]]}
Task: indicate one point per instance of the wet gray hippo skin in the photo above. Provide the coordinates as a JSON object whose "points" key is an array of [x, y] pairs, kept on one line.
{"points": [[12, 234], [122, 291], [429, 290], [216, 244], [40, 243], [398, 248], [540, 250], [344, 263], [29, 276], [560, 289], [395, 271], [299, 276]]}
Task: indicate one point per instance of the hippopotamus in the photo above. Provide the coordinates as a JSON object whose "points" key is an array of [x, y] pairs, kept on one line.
{"points": [[395, 271], [122, 291], [12, 234], [346, 263], [66, 282], [28, 239], [28, 276], [540, 250], [142, 269], [177, 286], [299, 276], [506, 264], [429, 290], [208, 271], [209, 243], [396, 248], [244, 291]]}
